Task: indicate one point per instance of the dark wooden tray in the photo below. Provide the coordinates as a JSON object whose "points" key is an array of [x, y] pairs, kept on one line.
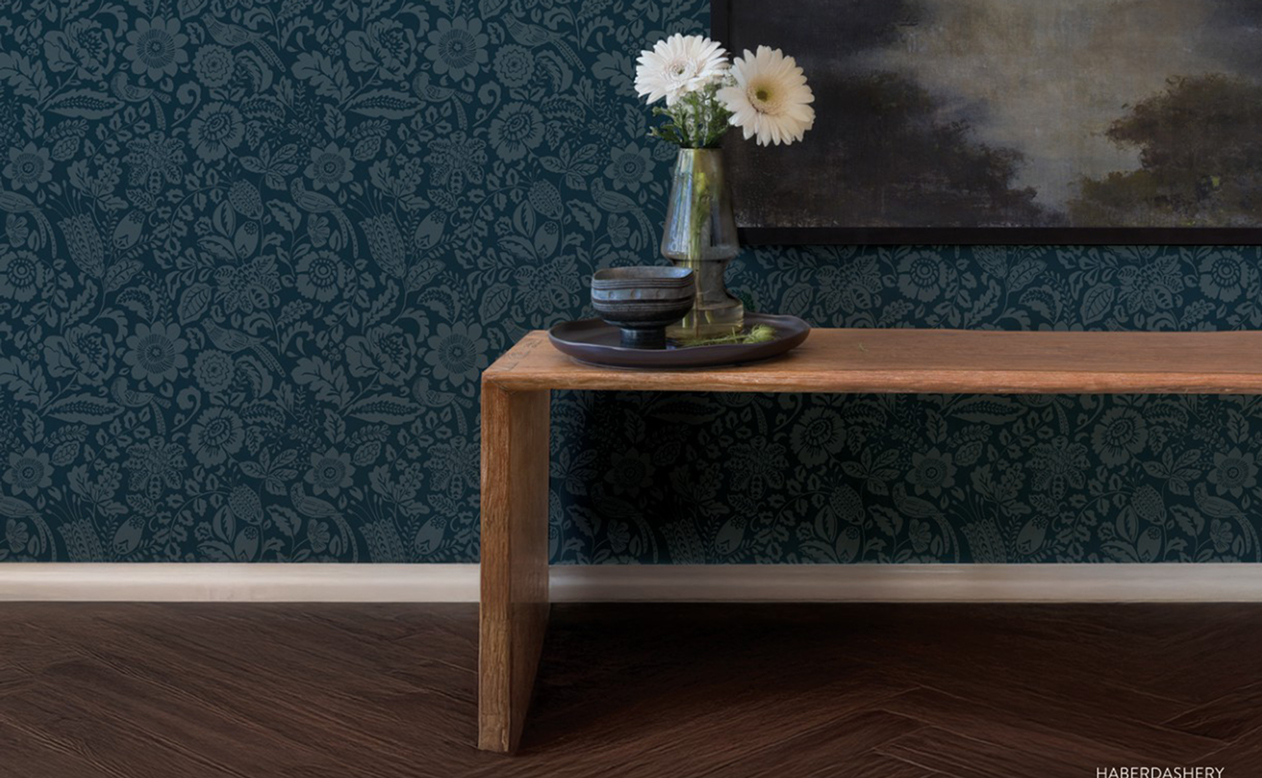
{"points": [[592, 340]]}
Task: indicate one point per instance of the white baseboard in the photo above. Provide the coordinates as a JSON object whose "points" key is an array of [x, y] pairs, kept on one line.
{"points": [[214, 582], [637, 583]]}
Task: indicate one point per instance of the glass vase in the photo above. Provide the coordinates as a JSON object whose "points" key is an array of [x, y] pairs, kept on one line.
{"points": [[700, 235]]}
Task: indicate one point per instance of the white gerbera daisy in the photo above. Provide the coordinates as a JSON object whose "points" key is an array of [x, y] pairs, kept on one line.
{"points": [[770, 98], [677, 66]]}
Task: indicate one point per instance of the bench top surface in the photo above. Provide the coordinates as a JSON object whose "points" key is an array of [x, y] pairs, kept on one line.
{"points": [[932, 361]]}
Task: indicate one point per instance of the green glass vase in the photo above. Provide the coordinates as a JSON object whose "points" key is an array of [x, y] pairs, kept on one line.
{"points": [[700, 235]]}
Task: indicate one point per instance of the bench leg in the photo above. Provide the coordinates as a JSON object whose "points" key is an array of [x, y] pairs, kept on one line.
{"points": [[514, 609]]}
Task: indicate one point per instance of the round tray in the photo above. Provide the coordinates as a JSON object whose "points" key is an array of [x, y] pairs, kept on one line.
{"points": [[591, 340]]}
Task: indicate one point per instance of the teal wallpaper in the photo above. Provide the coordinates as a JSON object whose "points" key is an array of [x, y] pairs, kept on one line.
{"points": [[254, 255]]}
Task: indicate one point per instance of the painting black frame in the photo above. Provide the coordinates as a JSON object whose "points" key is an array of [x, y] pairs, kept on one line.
{"points": [[720, 30]]}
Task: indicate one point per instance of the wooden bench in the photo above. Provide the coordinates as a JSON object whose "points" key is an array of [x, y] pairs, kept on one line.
{"points": [[516, 394]]}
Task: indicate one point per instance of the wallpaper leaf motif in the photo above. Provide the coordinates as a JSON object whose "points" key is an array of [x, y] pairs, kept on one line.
{"points": [[255, 255]]}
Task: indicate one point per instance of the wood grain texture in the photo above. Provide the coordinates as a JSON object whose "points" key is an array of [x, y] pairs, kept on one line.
{"points": [[514, 604], [931, 361], [143, 690], [515, 408]]}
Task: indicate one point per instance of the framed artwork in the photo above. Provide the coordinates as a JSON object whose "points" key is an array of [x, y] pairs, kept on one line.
{"points": [[1008, 121]]}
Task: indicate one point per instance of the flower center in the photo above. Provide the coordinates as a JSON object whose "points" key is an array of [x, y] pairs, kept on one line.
{"points": [[217, 124], [156, 49], [91, 346], [29, 166], [924, 272], [21, 273], [682, 69], [158, 354], [392, 348], [632, 166], [518, 124], [457, 351], [90, 39], [331, 166], [392, 40], [323, 272], [819, 432], [764, 98], [458, 48]]}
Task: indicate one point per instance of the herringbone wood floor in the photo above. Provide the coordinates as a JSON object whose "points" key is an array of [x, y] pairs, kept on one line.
{"points": [[871, 691]]}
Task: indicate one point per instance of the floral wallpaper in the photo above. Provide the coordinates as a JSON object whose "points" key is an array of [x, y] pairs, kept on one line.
{"points": [[255, 254]]}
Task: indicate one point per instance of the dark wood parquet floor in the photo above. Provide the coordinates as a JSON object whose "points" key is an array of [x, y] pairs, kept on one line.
{"points": [[861, 691]]}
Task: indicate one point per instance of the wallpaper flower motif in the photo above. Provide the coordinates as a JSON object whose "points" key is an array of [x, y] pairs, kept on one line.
{"points": [[255, 254]]}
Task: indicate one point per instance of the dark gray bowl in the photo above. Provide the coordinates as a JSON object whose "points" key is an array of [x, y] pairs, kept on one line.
{"points": [[643, 301]]}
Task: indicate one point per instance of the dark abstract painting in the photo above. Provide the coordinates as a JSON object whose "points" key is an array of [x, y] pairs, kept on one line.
{"points": [[1000, 120]]}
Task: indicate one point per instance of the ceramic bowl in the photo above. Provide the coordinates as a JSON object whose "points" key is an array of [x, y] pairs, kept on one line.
{"points": [[643, 301]]}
